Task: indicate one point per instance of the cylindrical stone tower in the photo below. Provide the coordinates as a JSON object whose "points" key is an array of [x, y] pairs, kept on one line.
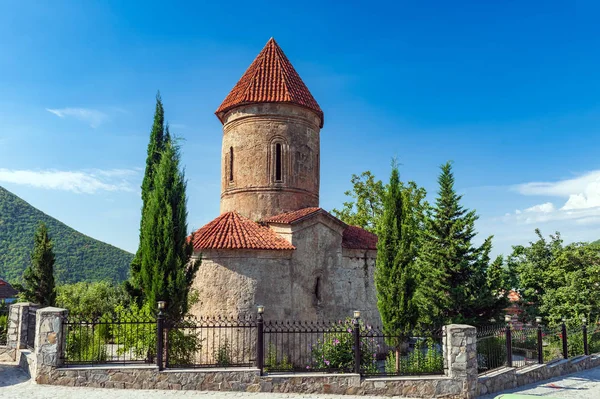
{"points": [[270, 154]]}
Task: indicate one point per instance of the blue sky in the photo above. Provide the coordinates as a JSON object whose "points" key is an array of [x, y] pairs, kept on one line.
{"points": [[507, 90]]}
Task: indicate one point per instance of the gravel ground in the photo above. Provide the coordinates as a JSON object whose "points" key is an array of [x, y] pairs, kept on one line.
{"points": [[14, 384]]}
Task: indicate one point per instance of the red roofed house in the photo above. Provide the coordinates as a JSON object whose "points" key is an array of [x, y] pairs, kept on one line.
{"points": [[272, 245]]}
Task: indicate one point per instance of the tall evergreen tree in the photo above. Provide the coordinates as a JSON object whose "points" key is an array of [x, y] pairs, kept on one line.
{"points": [[156, 146], [39, 275], [167, 271], [396, 252], [455, 286]]}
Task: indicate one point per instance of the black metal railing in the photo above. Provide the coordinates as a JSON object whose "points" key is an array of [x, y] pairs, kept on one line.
{"points": [[492, 348], [308, 346], [3, 324], [210, 342], [123, 339], [552, 344], [525, 347], [414, 353]]}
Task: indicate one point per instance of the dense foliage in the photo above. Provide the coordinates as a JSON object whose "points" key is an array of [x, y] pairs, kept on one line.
{"points": [[455, 275], [556, 280], [156, 146], [396, 254], [39, 276], [433, 260], [91, 300], [78, 257], [167, 271]]}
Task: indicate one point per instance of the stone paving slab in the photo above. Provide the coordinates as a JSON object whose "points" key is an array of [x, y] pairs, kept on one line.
{"points": [[582, 385], [15, 384]]}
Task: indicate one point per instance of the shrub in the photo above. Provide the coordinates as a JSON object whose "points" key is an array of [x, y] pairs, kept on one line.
{"points": [[336, 351], [85, 345], [183, 347], [426, 358], [271, 362], [223, 354]]}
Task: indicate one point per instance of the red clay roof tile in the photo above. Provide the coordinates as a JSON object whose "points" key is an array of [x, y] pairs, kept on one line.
{"points": [[294, 216], [270, 78], [354, 237], [233, 231], [358, 238]]}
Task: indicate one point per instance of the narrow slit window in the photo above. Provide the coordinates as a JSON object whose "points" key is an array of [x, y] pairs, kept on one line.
{"points": [[230, 163], [278, 162]]}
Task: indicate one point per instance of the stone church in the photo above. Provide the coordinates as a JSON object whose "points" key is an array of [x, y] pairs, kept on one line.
{"points": [[272, 245]]}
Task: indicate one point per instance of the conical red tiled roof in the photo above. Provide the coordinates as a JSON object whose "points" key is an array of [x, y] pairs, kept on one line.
{"points": [[233, 231], [271, 78]]}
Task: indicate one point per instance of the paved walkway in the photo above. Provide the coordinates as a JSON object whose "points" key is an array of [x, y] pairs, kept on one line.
{"points": [[582, 385]]}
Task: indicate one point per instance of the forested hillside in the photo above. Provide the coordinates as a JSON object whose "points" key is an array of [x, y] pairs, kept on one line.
{"points": [[78, 257]]}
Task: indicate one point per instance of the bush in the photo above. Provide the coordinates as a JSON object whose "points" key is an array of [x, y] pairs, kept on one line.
{"points": [[336, 351], [183, 347], [426, 358], [85, 345], [271, 362]]}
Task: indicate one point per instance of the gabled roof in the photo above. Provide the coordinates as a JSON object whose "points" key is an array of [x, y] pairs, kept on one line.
{"points": [[353, 237], [358, 238], [7, 290], [294, 216], [233, 231], [270, 78]]}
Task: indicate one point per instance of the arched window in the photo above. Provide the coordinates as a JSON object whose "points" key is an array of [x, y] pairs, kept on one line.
{"points": [[230, 164], [278, 166]]}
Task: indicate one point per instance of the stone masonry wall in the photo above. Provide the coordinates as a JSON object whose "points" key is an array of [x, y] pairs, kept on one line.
{"points": [[508, 377], [253, 131]]}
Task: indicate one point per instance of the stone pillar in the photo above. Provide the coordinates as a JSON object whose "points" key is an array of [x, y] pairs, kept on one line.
{"points": [[49, 342], [460, 356], [20, 325]]}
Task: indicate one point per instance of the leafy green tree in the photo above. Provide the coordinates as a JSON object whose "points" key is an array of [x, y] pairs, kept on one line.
{"points": [[156, 146], [556, 280], [39, 276], [454, 271], [394, 273], [167, 270], [366, 207], [91, 300]]}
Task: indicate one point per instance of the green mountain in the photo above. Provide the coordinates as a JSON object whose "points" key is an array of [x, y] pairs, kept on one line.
{"points": [[78, 257]]}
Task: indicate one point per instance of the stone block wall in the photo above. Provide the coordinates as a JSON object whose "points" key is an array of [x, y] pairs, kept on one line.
{"points": [[457, 383]]}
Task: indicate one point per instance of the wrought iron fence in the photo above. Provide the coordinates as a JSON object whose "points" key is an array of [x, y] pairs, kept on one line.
{"points": [[123, 339], [525, 346], [3, 324], [593, 334], [293, 346], [210, 342], [415, 353], [552, 343], [491, 348]]}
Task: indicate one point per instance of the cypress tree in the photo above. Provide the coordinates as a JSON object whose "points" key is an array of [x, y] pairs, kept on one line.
{"points": [[39, 275], [156, 146], [455, 287], [167, 271], [394, 272]]}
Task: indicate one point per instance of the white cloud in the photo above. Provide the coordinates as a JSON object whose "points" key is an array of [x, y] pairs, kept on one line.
{"points": [[546, 207], [85, 181], [94, 117]]}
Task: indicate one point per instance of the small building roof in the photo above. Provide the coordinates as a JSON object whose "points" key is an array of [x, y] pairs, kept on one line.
{"points": [[233, 231], [353, 237], [270, 78], [358, 238], [7, 290]]}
